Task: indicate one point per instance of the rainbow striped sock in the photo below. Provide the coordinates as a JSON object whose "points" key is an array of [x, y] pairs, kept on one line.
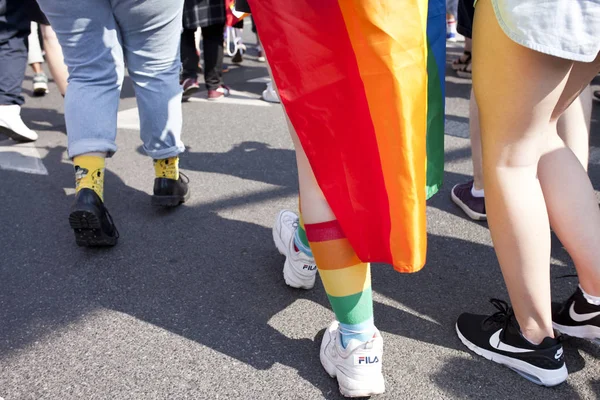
{"points": [[346, 279], [300, 239]]}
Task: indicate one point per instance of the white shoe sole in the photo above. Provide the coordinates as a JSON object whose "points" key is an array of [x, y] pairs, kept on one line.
{"points": [[541, 376], [40, 89], [583, 332], [349, 387], [291, 277], [472, 214]]}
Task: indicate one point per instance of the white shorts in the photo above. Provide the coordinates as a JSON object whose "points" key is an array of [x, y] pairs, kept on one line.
{"points": [[562, 28]]}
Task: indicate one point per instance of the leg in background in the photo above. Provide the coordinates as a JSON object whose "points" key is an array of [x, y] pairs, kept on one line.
{"points": [[213, 56], [13, 63], [55, 59]]}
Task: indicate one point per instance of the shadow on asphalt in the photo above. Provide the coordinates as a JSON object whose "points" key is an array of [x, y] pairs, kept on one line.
{"points": [[218, 281]]}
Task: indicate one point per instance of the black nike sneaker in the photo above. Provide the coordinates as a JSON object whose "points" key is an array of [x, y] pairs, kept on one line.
{"points": [[499, 339], [171, 192], [91, 222], [578, 318]]}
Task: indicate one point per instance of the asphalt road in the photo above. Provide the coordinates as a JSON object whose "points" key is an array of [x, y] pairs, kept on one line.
{"points": [[191, 304]]}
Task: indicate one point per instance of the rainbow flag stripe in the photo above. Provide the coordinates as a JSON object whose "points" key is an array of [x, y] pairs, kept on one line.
{"points": [[353, 77]]}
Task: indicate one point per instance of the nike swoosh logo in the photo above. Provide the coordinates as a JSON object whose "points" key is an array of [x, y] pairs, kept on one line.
{"points": [[497, 343], [581, 317]]}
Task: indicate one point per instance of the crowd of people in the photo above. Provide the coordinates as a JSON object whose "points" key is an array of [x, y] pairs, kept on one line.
{"points": [[358, 121]]}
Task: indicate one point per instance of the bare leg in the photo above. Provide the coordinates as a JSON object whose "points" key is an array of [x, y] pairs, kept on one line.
{"points": [[575, 218], [54, 57], [468, 44], [37, 68], [574, 126], [475, 134], [314, 207], [518, 127], [573, 129]]}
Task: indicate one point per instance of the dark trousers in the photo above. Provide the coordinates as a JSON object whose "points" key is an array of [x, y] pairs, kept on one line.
{"points": [[14, 29], [13, 62], [212, 37]]}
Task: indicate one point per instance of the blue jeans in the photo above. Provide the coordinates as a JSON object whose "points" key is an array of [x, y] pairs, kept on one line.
{"points": [[98, 38]]}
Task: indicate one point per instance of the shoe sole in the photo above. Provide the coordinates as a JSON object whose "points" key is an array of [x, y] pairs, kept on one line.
{"points": [[539, 376], [351, 387], [472, 214], [15, 136], [88, 230], [169, 201], [270, 100], [582, 332], [290, 276], [217, 98], [189, 92], [40, 91]]}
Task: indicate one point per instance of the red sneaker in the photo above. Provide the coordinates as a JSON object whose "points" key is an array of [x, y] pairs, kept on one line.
{"points": [[190, 86], [218, 94]]}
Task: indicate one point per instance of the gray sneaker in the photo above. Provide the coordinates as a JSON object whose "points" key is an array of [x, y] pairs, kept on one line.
{"points": [[40, 84]]}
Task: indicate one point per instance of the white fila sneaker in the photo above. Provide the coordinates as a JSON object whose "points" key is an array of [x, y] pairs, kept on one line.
{"points": [[357, 367], [299, 270]]}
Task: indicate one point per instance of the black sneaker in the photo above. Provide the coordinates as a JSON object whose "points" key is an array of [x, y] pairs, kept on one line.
{"points": [[91, 222], [499, 339], [473, 206], [171, 192], [578, 318]]}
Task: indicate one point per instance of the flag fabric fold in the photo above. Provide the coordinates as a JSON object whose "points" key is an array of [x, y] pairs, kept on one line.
{"points": [[362, 83]]}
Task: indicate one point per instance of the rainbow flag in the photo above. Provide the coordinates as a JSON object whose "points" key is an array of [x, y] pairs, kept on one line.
{"points": [[362, 83]]}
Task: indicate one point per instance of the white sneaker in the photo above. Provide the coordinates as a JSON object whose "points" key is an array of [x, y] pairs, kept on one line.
{"points": [[357, 367], [270, 95], [12, 125], [299, 270]]}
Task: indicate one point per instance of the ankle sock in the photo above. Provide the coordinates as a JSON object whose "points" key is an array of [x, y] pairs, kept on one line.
{"points": [[594, 300], [300, 239], [167, 168], [346, 279], [477, 192], [89, 174]]}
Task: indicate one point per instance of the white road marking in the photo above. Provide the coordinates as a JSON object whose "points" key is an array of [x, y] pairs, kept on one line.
{"points": [[128, 119], [263, 79], [22, 157], [235, 97]]}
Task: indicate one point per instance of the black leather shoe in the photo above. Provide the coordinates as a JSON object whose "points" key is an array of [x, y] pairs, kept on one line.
{"points": [[91, 222], [171, 192]]}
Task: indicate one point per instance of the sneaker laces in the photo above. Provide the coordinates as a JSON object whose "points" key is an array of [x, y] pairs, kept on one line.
{"points": [[503, 316], [185, 179]]}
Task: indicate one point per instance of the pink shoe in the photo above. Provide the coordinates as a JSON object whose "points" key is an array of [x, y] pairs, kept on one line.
{"points": [[218, 94]]}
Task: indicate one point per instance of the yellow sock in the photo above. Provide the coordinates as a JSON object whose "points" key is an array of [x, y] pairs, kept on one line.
{"points": [[167, 168], [89, 173]]}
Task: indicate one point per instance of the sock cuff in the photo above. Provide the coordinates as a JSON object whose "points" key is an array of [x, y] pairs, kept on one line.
{"points": [[324, 231], [595, 300], [477, 192], [299, 242]]}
